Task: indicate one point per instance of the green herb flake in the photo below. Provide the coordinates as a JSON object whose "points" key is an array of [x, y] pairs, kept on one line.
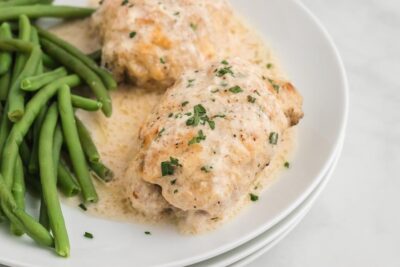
{"points": [[168, 167], [193, 26], [206, 169], [274, 85], [287, 165], [161, 132], [132, 35], [175, 191], [83, 207], [147, 233], [251, 99], [270, 66], [170, 115], [236, 89], [219, 116], [253, 197], [162, 61], [273, 138], [185, 103], [173, 182], [177, 13], [197, 139], [190, 83], [215, 91], [88, 235], [223, 71], [224, 62], [124, 2]]}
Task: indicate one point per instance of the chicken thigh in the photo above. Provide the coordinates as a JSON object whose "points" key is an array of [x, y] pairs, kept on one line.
{"points": [[209, 137]]}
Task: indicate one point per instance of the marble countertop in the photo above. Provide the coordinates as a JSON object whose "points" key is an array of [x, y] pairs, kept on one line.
{"points": [[356, 220]]}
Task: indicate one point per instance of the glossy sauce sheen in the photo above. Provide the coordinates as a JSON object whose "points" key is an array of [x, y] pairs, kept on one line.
{"points": [[118, 142]]}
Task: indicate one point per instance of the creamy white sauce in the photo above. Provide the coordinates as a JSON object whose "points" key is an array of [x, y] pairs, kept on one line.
{"points": [[117, 137]]}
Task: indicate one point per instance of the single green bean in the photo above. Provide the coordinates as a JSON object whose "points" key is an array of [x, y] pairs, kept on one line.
{"points": [[105, 76], [16, 97], [15, 45], [40, 11], [36, 82], [88, 146], [85, 103], [18, 191], [5, 127], [33, 167], [57, 144], [24, 35], [35, 40], [74, 146], [5, 57], [49, 182], [74, 64], [66, 181], [101, 171], [11, 3], [21, 218], [21, 128], [5, 81]]}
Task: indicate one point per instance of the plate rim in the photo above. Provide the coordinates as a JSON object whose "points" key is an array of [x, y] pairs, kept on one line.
{"points": [[343, 125]]}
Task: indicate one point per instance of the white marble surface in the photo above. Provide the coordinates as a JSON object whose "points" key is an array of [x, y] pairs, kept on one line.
{"points": [[356, 221]]}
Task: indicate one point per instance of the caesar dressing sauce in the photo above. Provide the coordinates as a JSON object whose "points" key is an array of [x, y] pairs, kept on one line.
{"points": [[117, 137]]}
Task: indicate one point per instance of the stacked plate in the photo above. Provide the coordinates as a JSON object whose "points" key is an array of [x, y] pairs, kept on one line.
{"points": [[313, 64]]}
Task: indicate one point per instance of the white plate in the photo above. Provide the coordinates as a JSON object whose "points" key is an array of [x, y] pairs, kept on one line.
{"points": [[311, 60], [273, 235]]}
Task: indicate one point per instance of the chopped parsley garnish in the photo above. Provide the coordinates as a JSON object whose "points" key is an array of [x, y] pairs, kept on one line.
{"points": [[273, 138], [236, 89], [253, 197], [173, 182], [190, 83], [206, 169], [224, 62], [170, 115], [219, 116], [197, 139], [132, 34], [83, 207], [193, 26], [177, 13], [269, 66], [274, 85], [287, 165], [185, 103], [251, 99], [175, 191], [124, 2], [168, 167], [162, 61], [223, 71], [161, 132], [88, 235], [147, 233], [200, 117], [188, 114]]}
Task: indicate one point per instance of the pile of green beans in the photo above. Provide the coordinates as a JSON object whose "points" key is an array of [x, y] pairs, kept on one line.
{"points": [[44, 146]]}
